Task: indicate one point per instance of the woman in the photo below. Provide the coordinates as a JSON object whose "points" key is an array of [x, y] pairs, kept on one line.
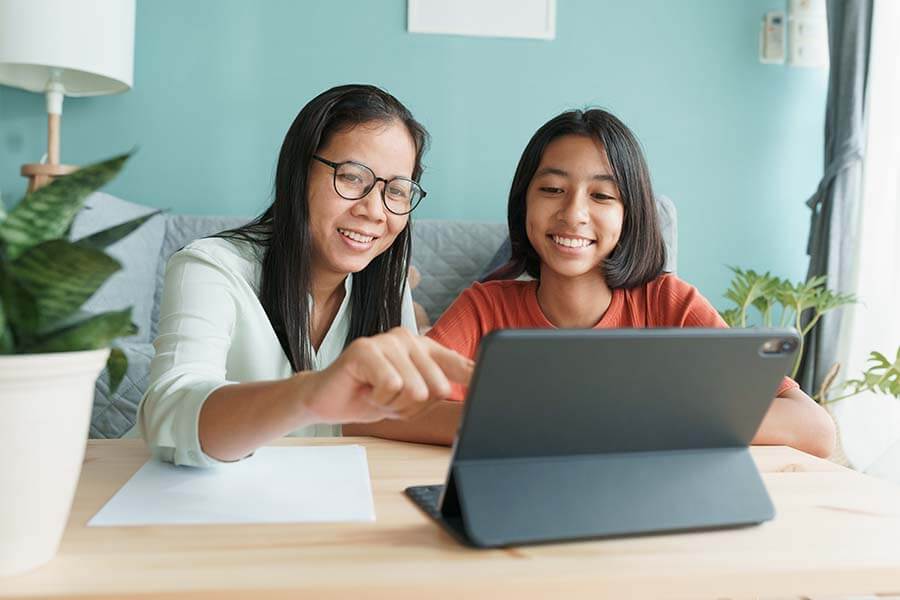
{"points": [[583, 225], [302, 319]]}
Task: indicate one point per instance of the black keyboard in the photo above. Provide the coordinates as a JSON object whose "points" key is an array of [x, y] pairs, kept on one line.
{"points": [[427, 497]]}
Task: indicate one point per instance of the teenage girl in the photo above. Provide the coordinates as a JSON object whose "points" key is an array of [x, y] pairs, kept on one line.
{"points": [[583, 225]]}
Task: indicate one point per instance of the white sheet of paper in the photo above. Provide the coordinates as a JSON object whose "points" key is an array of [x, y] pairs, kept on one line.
{"points": [[275, 485]]}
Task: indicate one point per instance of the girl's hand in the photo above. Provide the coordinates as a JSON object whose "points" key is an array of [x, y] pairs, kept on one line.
{"points": [[394, 375]]}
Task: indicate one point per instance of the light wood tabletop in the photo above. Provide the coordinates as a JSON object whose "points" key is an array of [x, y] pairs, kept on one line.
{"points": [[836, 533]]}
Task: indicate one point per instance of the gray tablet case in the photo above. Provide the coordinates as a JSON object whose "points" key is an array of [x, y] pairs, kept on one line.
{"points": [[571, 434]]}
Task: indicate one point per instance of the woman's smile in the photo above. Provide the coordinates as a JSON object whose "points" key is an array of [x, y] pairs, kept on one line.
{"points": [[356, 239]]}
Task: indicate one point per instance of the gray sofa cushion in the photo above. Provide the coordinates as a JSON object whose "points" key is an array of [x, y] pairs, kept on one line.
{"points": [[134, 284], [114, 414], [668, 222], [450, 255]]}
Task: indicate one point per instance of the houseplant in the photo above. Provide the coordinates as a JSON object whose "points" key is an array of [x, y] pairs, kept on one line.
{"points": [[774, 297], [51, 353], [779, 301], [882, 376]]}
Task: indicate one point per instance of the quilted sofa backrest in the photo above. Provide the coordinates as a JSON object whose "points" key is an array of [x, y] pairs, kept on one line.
{"points": [[450, 255]]}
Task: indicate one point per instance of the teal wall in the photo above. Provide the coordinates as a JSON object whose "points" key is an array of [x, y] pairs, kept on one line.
{"points": [[736, 144]]}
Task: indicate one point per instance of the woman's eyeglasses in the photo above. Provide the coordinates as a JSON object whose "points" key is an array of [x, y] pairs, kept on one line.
{"points": [[353, 180]]}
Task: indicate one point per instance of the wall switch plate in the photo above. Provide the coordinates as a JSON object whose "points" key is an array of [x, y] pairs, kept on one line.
{"points": [[807, 33], [808, 45], [806, 8], [807, 25], [772, 38]]}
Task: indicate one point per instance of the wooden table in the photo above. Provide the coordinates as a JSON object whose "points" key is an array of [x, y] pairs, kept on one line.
{"points": [[837, 533]]}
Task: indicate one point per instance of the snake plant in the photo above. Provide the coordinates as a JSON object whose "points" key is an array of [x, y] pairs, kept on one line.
{"points": [[45, 277]]}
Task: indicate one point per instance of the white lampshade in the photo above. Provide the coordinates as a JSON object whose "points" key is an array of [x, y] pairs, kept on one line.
{"points": [[88, 44]]}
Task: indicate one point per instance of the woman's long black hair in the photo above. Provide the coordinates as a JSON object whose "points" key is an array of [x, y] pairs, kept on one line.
{"points": [[283, 234], [640, 255]]}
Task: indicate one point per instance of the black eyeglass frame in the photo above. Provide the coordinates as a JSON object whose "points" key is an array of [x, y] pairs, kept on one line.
{"points": [[336, 165]]}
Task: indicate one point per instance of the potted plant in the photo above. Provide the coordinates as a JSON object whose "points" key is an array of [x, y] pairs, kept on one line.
{"points": [[769, 294], [774, 297], [780, 300], [881, 377], [51, 353]]}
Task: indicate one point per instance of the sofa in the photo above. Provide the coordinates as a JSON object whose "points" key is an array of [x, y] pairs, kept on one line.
{"points": [[449, 255]]}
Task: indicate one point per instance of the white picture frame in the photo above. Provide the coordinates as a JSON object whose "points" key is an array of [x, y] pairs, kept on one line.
{"points": [[529, 19]]}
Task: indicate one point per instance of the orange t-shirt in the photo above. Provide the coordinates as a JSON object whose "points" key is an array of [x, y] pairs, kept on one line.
{"points": [[664, 302]]}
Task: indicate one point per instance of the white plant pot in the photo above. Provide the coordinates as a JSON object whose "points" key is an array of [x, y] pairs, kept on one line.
{"points": [[45, 413]]}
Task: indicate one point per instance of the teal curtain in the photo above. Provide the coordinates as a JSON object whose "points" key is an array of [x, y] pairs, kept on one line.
{"points": [[835, 203]]}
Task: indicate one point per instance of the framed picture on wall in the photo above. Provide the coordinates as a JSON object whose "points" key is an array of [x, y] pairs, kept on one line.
{"points": [[535, 19]]}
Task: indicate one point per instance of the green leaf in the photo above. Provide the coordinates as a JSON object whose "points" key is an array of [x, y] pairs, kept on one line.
{"points": [[879, 359], [817, 281], [107, 237], [117, 364], [732, 316], [19, 305], [827, 300], [92, 333], [6, 339], [767, 298], [48, 213], [749, 288], [882, 376], [61, 276], [799, 297]]}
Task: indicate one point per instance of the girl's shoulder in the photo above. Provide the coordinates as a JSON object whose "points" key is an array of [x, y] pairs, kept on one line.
{"points": [[669, 285], [670, 301], [499, 291], [485, 303]]}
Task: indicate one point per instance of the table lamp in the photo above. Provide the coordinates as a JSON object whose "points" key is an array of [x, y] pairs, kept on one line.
{"points": [[65, 48]]}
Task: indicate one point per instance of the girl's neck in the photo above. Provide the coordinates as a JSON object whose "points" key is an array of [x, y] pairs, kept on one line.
{"points": [[573, 302]]}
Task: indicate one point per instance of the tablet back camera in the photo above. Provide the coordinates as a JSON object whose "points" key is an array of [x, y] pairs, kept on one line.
{"points": [[777, 346]]}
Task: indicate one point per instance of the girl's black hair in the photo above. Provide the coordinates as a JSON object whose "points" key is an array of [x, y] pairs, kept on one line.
{"points": [[640, 255], [283, 234]]}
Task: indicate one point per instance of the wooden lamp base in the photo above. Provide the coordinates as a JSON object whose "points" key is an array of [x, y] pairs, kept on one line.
{"points": [[40, 174]]}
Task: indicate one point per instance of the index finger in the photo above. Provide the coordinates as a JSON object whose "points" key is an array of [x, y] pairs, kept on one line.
{"points": [[455, 366]]}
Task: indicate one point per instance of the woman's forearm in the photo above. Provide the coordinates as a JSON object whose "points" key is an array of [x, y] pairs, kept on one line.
{"points": [[795, 420], [237, 419], [393, 374], [437, 426]]}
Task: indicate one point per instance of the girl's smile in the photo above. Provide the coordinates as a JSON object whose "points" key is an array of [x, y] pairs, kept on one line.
{"points": [[571, 244]]}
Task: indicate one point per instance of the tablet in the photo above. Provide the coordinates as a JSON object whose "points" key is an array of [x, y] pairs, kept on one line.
{"points": [[570, 434]]}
